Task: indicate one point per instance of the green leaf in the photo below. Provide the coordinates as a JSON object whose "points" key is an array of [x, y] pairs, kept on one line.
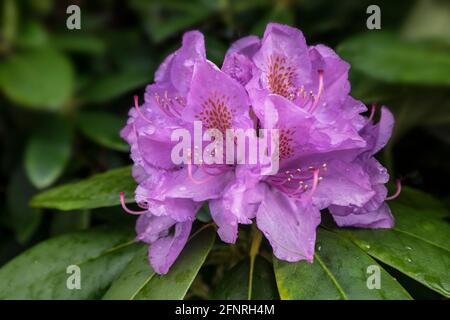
{"points": [[78, 42], [103, 128], [389, 58], [428, 19], [418, 246], [113, 86], [101, 190], [40, 79], [420, 200], [133, 278], [32, 34], [162, 19], [138, 281], [234, 285], [281, 13], [22, 219], [48, 152], [204, 214], [41, 272], [70, 222], [339, 271], [10, 18]]}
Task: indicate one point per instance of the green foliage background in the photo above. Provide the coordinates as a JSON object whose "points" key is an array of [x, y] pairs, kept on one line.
{"points": [[64, 96]]}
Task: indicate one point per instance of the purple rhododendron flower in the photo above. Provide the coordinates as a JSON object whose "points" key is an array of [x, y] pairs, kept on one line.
{"points": [[325, 147]]}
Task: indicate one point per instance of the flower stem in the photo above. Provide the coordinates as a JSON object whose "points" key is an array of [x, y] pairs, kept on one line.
{"points": [[254, 249]]}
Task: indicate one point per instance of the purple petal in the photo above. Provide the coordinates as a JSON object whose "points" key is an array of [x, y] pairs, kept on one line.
{"points": [[212, 89], [378, 135], [238, 66], [289, 225], [343, 184], [379, 218], [150, 228], [191, 53], [283, 60], [238, 204], [246, 46], [177, 184], [164, 251]]}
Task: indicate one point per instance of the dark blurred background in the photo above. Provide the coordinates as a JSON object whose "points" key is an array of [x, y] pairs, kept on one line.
{"points": [[64, 94]]}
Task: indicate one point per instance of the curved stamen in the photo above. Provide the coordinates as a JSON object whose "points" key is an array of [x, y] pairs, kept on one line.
{"points": [[136, 105], [195, 181], [319, 92], [165, 103], [220, 170], [315, 182], [372, 112], [398, 184], [125, 208]]}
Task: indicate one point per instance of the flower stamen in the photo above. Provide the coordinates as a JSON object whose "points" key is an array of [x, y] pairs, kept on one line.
{"points": [[373, 109], [136, 106], [398, 184], [319, 92], [125, 208]]}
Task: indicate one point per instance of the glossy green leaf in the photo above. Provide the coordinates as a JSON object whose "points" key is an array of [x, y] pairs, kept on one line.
{"points": [[48, 152], [41, 272], [101, 190], [234, 285], [391, 59], [420, 200], [418, 246], [113, 86], [103, 128], [40, 79], [175, 284], [339, 271], [133, 278]]}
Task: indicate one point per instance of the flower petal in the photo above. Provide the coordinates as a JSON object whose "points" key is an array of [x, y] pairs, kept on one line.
{"points": [[379, 218], [217, 100], [164, 251], [289, 225]]}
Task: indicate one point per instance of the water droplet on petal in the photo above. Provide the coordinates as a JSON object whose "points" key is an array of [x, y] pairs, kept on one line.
{"points": [[150, 129]]}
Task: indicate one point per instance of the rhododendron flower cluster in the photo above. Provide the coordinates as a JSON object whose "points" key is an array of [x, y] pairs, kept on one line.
{"points": [[325, 148]]}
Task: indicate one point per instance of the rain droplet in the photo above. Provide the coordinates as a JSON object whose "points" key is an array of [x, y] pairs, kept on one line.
{"points": [[408, 248], [150, 129]]}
